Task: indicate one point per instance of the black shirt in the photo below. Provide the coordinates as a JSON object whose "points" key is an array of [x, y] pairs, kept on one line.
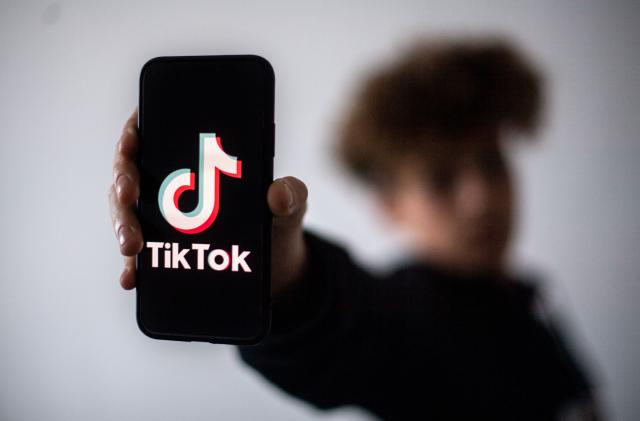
{"points": [[419, 343]]}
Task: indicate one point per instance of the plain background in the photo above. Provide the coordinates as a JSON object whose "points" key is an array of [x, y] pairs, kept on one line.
{"points": [[70, 348]]}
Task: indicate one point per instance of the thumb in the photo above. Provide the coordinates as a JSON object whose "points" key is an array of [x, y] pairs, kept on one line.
{"points": [[287, 199]]}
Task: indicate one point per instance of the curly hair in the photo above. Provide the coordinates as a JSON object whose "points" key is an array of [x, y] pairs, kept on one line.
{"points": [[433, 95]]}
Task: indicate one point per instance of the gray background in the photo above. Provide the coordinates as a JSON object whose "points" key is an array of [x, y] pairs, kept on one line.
{"points": [[70, 348]]}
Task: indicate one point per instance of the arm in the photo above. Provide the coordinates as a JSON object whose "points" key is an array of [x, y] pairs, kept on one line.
{"points": [[320, 297], [321, 333]]}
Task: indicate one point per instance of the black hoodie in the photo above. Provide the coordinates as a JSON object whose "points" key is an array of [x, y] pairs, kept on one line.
{"points": [[419, 343]]}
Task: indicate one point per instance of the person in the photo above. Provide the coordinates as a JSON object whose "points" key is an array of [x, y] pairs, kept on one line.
{"points": [[452, 334]]}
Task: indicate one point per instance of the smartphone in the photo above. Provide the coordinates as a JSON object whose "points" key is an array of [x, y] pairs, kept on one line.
{"points": [[206, 161]]}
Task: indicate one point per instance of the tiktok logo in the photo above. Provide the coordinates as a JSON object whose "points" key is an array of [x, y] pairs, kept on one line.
{"points": [[213, 160]]}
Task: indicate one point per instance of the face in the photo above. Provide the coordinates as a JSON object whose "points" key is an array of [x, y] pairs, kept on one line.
{"points": [[457, 209]]}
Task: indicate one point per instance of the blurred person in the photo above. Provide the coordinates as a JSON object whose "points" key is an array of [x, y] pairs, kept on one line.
{"points": [[452, 334]]}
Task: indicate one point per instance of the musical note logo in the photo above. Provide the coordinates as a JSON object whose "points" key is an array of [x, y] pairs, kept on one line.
{"points": [[213, 160]]}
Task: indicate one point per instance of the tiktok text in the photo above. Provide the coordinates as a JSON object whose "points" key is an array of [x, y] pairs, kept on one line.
{"points": [[175, 257]]}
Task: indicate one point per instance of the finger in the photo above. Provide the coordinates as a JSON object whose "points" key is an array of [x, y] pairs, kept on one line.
{"points": [[126, 180], [128, 276], [127, 146], [287, 199], [125, 226]]}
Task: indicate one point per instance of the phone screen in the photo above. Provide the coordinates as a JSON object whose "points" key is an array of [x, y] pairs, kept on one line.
{"points": [[205, 162]]}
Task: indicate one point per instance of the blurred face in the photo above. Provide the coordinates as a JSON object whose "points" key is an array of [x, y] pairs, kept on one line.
{"points": [[457, 208]]}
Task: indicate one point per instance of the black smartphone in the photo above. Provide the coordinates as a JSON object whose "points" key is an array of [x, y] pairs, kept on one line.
{"points": [[206, 161]]}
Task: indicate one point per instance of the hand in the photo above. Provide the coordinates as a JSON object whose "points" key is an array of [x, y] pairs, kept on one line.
{"points": [[286, 197]]}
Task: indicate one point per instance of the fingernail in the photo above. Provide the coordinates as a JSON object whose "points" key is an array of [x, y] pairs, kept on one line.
{"points": [[290, 193], [129, 129], [122, 181], [124, 234]]}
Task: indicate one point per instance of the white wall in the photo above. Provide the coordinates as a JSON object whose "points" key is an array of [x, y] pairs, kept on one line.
{"points": [[70, 348]]}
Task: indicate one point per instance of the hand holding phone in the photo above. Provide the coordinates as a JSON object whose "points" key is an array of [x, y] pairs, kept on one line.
{"points": [[286, 200]]}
